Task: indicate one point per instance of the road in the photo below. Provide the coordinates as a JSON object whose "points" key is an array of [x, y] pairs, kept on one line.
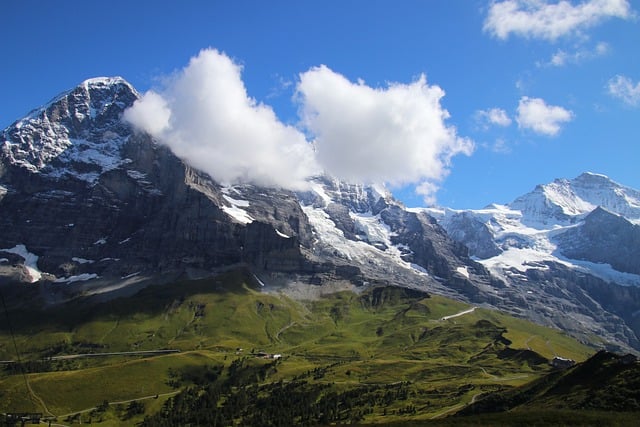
{"points": [[115, 353]]}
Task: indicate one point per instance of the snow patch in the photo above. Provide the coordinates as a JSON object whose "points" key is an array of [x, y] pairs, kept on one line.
{"points": [[30, 261], [281, 234], [78, 278], [332, 239], [82, 260], [419, 268], [464, 271], [375, 230], [128, 276], [320, 191], [260, 282], [3, 260], [101, 241], [236, 210]]}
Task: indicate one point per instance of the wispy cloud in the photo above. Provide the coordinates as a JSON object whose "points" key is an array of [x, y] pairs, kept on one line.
{"points": [[550, 21], [397, 134], [624, 88], [535, 114], [562, 57], [492, 117]]}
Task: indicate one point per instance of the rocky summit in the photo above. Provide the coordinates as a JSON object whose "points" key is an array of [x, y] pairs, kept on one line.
{"points": [[88, 205]]}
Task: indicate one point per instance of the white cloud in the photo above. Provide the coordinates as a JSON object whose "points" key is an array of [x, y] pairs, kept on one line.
{"points": [[150, 113], [535, 114], [549, 21], [562, 57], [206, 117], [493, 116], [396, 135], [624, 88]]}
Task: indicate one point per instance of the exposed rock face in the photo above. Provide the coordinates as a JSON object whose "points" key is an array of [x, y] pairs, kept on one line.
{"points": [[604, 237], [88, 197]]}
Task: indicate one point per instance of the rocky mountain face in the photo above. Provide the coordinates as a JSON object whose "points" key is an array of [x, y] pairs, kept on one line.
{"points": [[90, 206], [568, 250]]}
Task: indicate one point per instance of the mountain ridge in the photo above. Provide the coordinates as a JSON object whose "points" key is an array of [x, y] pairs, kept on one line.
{"points": [[102, 206]]}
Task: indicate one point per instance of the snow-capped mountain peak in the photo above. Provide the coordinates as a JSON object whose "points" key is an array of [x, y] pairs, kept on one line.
{"points": [[78, 133], [564, 202]]}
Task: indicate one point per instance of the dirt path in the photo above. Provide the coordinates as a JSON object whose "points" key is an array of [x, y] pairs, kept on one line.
{"points": [[456, 407], [120, 402], [38, 398], [284, 328], [115, 353], [462, 313]]}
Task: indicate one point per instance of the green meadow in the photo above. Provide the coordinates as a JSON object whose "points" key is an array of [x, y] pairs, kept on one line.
{"points": [[382, 338]]}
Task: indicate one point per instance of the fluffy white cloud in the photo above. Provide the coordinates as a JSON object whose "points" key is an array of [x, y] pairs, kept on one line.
{"points": [[396, 135], [150, 113], [493, 116], [206, 117], [550, 20], [624, 88], [535, 114]]}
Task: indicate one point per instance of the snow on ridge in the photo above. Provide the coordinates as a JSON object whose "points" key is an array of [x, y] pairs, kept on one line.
{"points": [[463, 270], [30, 261], [104, 81], [281, 234], [236, 210], [320, 191], [334, 240], [375, 230]]}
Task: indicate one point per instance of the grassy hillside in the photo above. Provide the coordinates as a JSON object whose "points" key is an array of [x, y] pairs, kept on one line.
{"points": [[397, 350], [604, 382]]}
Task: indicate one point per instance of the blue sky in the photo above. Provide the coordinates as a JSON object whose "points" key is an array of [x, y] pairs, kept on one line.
{"points": [[534, 90]]}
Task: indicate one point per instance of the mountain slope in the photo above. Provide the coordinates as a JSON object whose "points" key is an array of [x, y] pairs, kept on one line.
{"points": [[605, 381], [570, 246], [89, 206], [88, 202]]}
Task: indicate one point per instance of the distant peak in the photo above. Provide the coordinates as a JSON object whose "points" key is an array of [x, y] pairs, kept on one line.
{"points": [[104, 81], [107, 82], [592, 176]]}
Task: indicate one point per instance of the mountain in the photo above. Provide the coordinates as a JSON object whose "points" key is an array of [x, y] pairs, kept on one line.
{"points": [[89, 206], [569, 248]]}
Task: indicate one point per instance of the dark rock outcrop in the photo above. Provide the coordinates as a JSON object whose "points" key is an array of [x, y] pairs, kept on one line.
{"points": [[604, 237]]}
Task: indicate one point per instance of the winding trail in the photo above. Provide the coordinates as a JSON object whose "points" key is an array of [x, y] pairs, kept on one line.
{"points": [[456, 407], [120, 402], [284, 328], [462, 313], [38, 398]]}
